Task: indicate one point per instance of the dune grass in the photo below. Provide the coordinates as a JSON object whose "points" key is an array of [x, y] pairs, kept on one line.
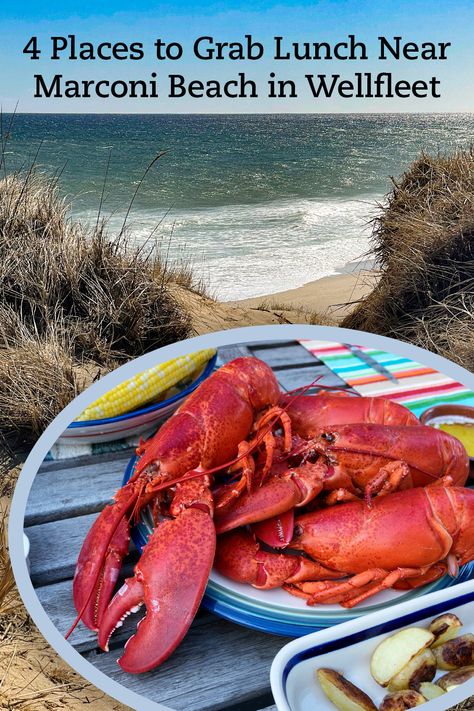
{"points": [[74, 302], [304, 313], [423, 242]]}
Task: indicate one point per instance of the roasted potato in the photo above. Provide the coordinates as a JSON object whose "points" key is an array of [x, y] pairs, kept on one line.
{"points": [[430, 690], [444, 628], [455, 678], [458, 652], [421, 667], [343, 694], [396, 651], [400, 700]]}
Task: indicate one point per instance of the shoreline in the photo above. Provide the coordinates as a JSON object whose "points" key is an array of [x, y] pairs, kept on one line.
{"points": [[333, 296]]}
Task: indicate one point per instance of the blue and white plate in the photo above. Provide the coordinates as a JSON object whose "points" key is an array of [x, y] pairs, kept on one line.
{"points": [[132, 423], [347, 648], [276, 611]]}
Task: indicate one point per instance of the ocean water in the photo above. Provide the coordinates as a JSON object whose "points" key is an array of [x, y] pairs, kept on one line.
{"points": [[257, 203]]}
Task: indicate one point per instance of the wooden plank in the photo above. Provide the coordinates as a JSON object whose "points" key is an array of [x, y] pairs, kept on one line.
{"points": [[268, 345], [218, 665], [57, 602], [285, 356], [54, 548], [74, 489], [227, 353], [298, 377], [83, 460]]}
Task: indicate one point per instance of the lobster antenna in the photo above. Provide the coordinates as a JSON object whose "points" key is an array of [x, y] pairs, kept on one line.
{"points": [[338, 388]]}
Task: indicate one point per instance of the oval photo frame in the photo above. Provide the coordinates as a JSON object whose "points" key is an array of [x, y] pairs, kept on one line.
{"points": [[59, 424]]}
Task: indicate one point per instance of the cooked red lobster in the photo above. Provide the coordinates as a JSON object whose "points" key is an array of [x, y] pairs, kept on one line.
{"points": [[238, 453], [403, 540]]}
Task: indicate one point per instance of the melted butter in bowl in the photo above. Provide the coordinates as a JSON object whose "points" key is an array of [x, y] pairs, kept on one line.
{"points": [[464, 431], [457, 420]]}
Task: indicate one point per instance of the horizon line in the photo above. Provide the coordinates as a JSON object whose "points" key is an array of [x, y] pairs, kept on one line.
{"points": [[237, 113]]}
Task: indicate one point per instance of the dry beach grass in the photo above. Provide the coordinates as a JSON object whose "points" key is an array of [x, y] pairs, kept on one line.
{"points": [[73, 300], [423, 243]]}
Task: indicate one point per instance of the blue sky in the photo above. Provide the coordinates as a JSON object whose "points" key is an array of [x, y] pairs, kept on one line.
{"points": [[326, 20]]}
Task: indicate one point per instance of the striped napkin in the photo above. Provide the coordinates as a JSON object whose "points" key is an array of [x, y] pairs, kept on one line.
{"points": [[419, 387]]}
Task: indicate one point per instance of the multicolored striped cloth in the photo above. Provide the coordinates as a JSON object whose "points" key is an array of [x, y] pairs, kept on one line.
{"points": [[418, 387]]}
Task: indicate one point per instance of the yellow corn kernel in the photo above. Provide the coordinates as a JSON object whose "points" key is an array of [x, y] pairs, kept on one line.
{"points": [[145, 387]]}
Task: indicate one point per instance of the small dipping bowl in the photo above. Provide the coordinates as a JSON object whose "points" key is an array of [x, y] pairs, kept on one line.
{"points": [[451, 415]]}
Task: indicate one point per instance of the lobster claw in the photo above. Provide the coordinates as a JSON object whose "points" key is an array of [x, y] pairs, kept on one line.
{"points": [[276, 532], [99, 562], [170, 579], [273, 498]]}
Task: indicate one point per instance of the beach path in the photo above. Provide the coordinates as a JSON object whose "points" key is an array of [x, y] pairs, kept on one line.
{"points": [[332, 296]]}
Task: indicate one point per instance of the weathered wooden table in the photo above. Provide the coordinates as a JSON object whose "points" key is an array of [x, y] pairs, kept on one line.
{"points": [[219, 665]]}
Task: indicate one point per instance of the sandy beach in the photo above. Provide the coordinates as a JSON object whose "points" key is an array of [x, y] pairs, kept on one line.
{"points": [[331, 296]]}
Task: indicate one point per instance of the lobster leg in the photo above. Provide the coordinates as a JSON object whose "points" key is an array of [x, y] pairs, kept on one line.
{"points": [[389, 479], [247, 480], [358, 588], [388, 581], [267, 418], [245, 460], [434, 573]]}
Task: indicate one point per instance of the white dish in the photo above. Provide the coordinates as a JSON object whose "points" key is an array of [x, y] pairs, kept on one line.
{"points": [[348, 647], [143, 424]]}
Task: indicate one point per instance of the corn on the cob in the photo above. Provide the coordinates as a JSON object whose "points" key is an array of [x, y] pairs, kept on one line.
{"points": [[146, 386]]}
